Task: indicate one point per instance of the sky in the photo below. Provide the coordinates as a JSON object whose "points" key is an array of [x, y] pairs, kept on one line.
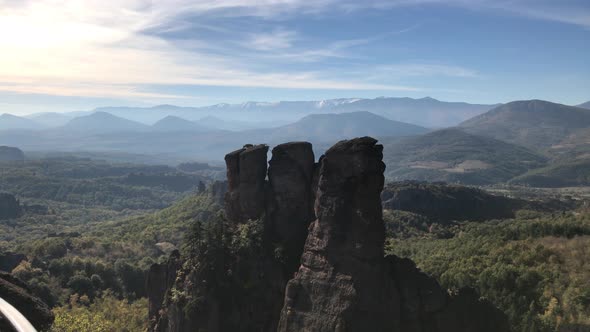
{"points": [[61, 56]]}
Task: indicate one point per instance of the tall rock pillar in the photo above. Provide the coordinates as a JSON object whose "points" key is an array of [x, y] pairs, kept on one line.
{"points": [[343, 283]]}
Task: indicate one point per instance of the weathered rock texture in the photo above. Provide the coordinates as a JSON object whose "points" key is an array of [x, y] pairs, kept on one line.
{"points": [[9, 206], [159, 283], [324, 275], [343, 284], [291, 199], [15, 292], [246, 173]]}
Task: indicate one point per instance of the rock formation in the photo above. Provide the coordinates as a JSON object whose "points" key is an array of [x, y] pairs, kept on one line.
{"points": [[343, 284], [15, 292], [9, 206], [291, 198], [321, 265], [246, 173], [160, 280], [217, 190]]}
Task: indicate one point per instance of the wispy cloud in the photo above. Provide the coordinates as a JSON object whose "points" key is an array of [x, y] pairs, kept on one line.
{"points": [[66, 48], [420, 69], [276, 40], [575, 12], [566, 11], [113, 48]]}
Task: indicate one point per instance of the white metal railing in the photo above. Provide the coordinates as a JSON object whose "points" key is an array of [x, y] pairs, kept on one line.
{"points": [[15, 318]]}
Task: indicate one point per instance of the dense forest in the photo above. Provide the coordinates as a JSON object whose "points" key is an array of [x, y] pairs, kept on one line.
{"points": [[90, 230]]}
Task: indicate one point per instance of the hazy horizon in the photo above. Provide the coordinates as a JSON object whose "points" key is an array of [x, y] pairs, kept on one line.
{"points": [[81, 111]]}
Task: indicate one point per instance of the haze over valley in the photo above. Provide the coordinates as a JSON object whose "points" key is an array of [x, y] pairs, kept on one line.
{"points": [[450, 141]]}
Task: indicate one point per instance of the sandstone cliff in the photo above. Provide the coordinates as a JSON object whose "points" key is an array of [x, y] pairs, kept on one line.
{"points": [[320, 263]]}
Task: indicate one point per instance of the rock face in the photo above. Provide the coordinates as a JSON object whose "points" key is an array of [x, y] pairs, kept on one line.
{"points": [[325, 220], [291, 199], [10, 260], [343, 284], [9, 206], [17, 294], [160, 280], [8, 153], [218, 189], [246, 173]]}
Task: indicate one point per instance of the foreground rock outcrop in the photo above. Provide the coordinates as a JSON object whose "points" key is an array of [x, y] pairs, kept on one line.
{"points": [[343, 283], [9, 206], [320, 264], [17, 294]]}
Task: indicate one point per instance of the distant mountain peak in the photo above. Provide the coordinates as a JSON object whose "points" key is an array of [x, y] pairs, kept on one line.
{"points": [[102, 114], [534, 123], [252, 104], [426, 112], [328, 127], [10, 121], [428, 98], [9, 116], [175, 123], [103, 122], [166, 106], [336, 102], [172, 117]]}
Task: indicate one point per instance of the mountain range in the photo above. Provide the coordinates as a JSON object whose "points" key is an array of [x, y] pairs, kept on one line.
{"points": [[103, 122], [536, 124], [425, 112], [335, 127], [528, 142], [101, 131], [173, 123], [13, 122]]}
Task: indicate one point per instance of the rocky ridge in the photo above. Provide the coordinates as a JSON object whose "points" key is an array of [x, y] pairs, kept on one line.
{"points": [[320, 265]]}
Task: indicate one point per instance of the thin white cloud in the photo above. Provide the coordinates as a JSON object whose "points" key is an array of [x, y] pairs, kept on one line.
{"points": [[66, 48], [100, 48], [556, 11], [276, 40], [418, 69], [575, 12]]}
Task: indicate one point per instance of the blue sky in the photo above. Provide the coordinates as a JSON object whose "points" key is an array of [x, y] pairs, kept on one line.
{"points": [[76, 55]]}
